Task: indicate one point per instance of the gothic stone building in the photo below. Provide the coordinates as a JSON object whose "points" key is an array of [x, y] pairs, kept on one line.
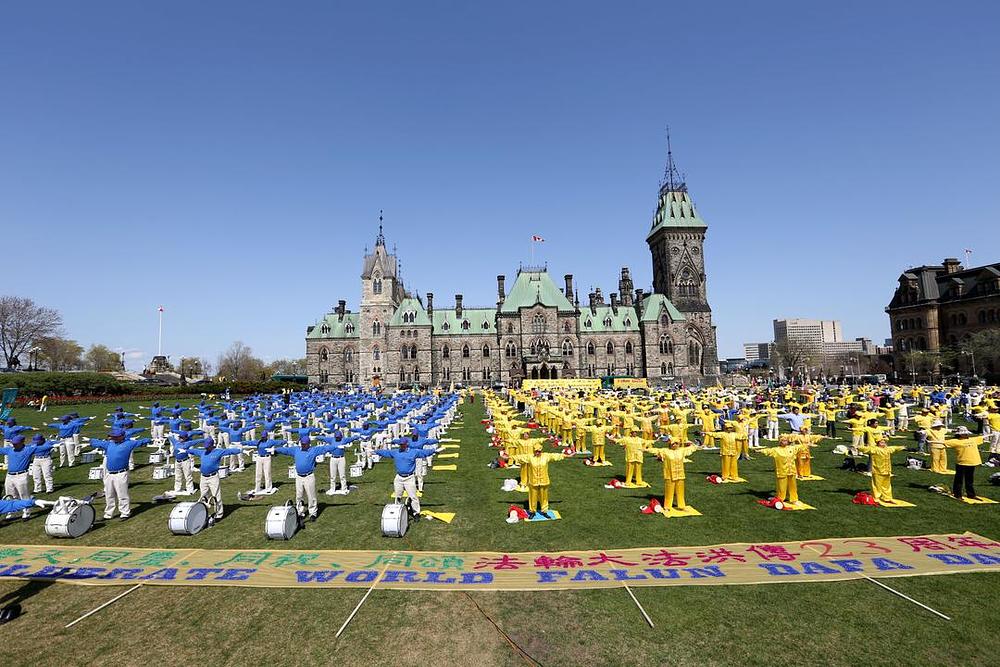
{"points": [[940, 306], [536, 329]]}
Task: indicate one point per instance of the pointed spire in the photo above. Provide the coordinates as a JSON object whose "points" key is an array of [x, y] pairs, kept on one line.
{"points": [[380, 239], [672, 179]]}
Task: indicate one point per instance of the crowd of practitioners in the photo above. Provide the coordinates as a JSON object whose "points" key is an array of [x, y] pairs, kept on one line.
{"points": [[868, 421], [225, 436]]}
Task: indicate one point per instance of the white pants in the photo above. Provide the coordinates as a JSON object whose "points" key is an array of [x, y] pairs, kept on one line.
{"points": [[209, 486], [772, 430], [995, 442], [236, 462], [67, 452], [421, 472], [753, 435], [366, 451], [116, 494], [306, 486], [41, 469], [408, 484], [183, 472], [158, 432], [16, 486], [338, 468], [262, 474]]}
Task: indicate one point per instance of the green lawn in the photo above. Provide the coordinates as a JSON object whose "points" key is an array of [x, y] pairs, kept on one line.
{"points": [[831, 623]]}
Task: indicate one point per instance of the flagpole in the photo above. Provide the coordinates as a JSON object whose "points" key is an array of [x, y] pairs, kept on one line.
{"points": [[159, 337], [532, 251]]}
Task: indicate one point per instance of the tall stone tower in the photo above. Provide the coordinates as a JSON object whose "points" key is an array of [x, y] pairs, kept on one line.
{"points": [[677, 244], [381, 293]]}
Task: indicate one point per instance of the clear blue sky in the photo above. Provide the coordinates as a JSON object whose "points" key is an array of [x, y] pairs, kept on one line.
{"points": [[228, 160]]}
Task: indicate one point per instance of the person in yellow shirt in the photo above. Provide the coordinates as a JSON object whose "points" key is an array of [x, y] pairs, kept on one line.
{"points": [[880, 456], [784, 455], [935, 440], [537, 465], [966, 459], [673, 472], [634, 446], [803, 461], [993, 419], [729, 450], [708, 429], [598, 433]]}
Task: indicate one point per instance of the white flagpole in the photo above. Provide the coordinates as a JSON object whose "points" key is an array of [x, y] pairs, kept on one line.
{"points": [[532, 251], [159, 341]]}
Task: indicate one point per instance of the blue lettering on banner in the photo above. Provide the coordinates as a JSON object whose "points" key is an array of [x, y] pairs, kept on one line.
{"points": [[477, 578], [811, 567], [702, 572], [50, 572], [85, 573], [589, 575], [166, 573], [622, 575], [778, 569], [550, 576], [663, 573], [123, 573], [400, 576], [200, 573], [849, 565], [237, 574], [316, 576], [14, 570], [435, 578], [884, 564], [362, 576], [951, 559], [986, 559]]}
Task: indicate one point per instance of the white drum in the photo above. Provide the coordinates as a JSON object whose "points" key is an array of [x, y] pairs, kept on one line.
{"points": [[376, 458], [96, 472], [157, 458], [356, 470], [291, 472], [188, 518], [223, 472], [394, 520], [69, 518], [163, 472], [281, 522], [89, 457]]}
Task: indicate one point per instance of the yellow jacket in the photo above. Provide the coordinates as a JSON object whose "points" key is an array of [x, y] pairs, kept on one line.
{"points": [[634, 447], [966, 450], [727, 443], [784, 458], [673, 461], [880, 457], [538, 467]]}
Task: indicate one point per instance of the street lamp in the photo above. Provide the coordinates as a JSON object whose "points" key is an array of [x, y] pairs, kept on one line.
{"points": [[33, 358], [971, 354]]}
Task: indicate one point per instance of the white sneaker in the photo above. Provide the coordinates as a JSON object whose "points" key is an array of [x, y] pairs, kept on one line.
{"points": [[331, 492]]}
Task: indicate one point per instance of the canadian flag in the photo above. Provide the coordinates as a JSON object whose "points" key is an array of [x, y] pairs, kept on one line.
{"points": [[160, 309], [537, 239]]}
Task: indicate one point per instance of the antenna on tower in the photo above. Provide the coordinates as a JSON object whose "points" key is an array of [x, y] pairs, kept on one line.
{"points": [[380, 240], [672, 181]]}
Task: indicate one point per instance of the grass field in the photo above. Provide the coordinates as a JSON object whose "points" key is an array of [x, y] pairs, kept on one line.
{"points": [[804, 624]]}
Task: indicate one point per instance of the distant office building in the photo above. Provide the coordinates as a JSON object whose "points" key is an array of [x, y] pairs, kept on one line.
{"points": [[756, 351], [808, 333]]}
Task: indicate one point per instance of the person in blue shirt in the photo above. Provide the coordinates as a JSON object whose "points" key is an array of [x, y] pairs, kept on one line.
{"points": [[183, 463], [415, 441], [338, 462], [211, 458], [41, 463], [11, 506], [262, 467], [405, 459], [18, 459], [305, 456], [795, 419], [68, 428], [117, 451], [232, 436]]}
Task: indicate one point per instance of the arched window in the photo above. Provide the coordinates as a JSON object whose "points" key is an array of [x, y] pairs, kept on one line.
{"points": [[413, 352], [486, 325], [982, 317], [607, 322], [566, 326], [445, 352], [590, 348], [376, 285], [694, 353], [446, 326], [921, 343], [511, 350], [486, 351], [663, 368], [323, 354], [567, 348], [666, 345], [628, 347], [537, 323], [465, 351], [349, 328], [325, 329], [349, 355], [376, 353], [664, 320], [510, 328], [465, 325], [628, 323], [962, 319], [670, 368], [405, 352], [376, 328], [610, 347]]}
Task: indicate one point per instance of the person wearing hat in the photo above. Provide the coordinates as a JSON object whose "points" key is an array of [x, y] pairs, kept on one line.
{"points": [[41, 463], [598, 435], [338, 460], [784, 455], [803, 461], [729, 450], [673, 471], [923, 421], [936, 435], [117, 452], [634, 446], [880, 458], [18, 459], [305, 456], [405, 461], [211, 457], [68, 429], [992, 419], [966, 459], [537, 465], [183, 463]]}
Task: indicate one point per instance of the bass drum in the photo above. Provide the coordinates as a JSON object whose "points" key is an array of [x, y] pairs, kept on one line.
{"points": [[282, 522], [394, 520], [188, 518], [72, 520]]}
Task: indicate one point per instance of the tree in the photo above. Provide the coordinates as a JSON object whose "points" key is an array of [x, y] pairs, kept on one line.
{"points": [[60, 354], [984, 347], [190, 366], [238, 363], [793, 354], [102, 358], [23, 323], [287, 367]]}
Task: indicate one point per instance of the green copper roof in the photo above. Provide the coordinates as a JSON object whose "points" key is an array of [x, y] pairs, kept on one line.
{"points": [[602, 319], [654, 304], [481, 321], [532, 287], [410, 305], [675, 209], [332, 327]]}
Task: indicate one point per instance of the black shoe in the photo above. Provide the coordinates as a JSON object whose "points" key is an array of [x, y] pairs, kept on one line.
{"points": [[123, 518], [312, 517]]}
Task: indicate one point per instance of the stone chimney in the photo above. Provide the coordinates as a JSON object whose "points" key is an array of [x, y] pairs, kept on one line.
{"points": [[598, 297], [625, 287], [592, 300], [340, 310], [501, 292], [430, 304], [458, 305], [639, 296], [614, 302], [952, 265], [569, 285]]}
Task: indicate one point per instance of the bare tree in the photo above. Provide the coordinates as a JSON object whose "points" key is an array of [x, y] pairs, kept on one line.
{"points": [[793, 354], [60, 354], [239, 363], [287, 367], [22, 324]]}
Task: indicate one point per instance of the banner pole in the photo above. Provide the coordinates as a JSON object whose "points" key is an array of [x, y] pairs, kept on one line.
{"points": [[907, 597], [94, 611], [636, 601]]}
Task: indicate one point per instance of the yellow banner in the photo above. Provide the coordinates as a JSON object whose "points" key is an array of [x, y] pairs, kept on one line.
{"points": [[631, 383], [568, 383], [832, 559]]}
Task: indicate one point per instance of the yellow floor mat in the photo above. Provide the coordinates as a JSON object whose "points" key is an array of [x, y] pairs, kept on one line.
{"points": [[447, 517], [673, 512], [448, 456], [451, 468], [799, 506], [420, 494], [811, 478], [644, 485], [738, 480], [896, 502]]}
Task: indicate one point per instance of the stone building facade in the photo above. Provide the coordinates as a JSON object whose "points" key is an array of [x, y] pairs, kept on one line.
{"points": [[938, 307], [535, 329]]}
